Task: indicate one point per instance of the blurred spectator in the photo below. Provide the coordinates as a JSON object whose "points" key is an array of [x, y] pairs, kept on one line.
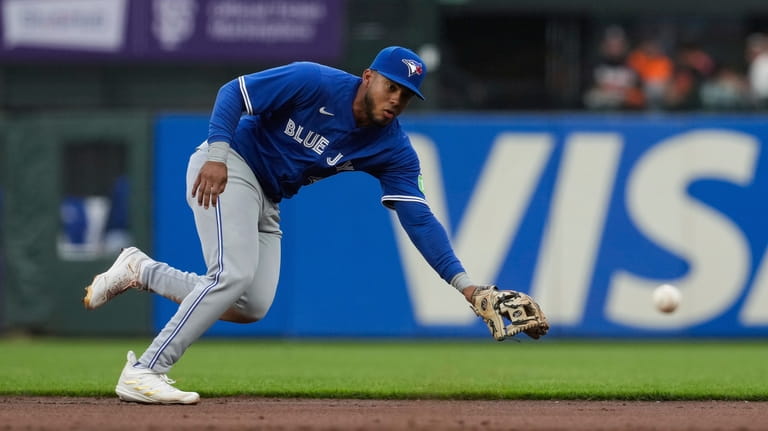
{"points": [[727, 90], [654, 68], [757, 60], [692, 67], [614, 84]]}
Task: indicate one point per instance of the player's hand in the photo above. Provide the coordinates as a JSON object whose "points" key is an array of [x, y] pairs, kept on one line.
{"points": [[210, 183], [468, 292]]}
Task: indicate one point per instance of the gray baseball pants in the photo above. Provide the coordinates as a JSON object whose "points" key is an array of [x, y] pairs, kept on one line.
{"points": [[240, 238]]}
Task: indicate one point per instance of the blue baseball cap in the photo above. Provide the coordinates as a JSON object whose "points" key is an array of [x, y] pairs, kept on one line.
{"points": [[402, 66]]}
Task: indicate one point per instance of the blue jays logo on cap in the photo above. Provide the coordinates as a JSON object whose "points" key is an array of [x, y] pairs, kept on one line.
{"points": [[402, 66], [413, 66]]}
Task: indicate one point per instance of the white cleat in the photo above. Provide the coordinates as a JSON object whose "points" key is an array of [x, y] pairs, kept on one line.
{"points": [[142, 385], [121, 276]]}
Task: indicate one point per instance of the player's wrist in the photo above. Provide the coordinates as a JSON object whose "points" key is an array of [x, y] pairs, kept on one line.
{"points": [[461, 281], [217, 151]]}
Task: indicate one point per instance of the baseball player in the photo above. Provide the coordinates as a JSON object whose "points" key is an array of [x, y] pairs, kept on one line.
{"points": [[270, 133]]}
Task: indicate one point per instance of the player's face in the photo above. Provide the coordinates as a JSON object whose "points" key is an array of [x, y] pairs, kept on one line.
{"points": [[384, 100]]}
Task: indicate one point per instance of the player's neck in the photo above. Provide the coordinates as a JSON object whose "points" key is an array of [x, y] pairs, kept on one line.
{"points": [[358, 109]]}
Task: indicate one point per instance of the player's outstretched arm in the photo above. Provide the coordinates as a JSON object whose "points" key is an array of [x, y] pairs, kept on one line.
{"points": [[429, 237], [494, 306]]}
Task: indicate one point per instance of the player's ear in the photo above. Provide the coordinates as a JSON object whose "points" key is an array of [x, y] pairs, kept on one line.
{"points": [[367, 76]]}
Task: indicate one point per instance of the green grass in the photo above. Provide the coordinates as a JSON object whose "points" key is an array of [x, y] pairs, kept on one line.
{"points": [[554, 369]]}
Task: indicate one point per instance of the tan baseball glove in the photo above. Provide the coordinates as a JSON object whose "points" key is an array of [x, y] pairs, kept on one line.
{"points": [[523, 313]]}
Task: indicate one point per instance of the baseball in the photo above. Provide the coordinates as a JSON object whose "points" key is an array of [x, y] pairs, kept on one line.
{"points": [[667, 298]]}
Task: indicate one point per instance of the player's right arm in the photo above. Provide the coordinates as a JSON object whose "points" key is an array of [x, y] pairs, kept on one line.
{"points": [[258, 93], [275, 88], [212, 178], [210, 183]]}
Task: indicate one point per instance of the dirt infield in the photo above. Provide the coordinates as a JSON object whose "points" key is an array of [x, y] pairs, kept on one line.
{"points": [[50, 413]]}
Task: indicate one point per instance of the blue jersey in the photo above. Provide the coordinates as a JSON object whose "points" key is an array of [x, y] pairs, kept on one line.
{"points": [[294, 125], [299, 128]]}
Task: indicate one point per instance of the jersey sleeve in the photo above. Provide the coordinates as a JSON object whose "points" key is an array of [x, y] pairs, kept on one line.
{"points": [[260, 92], [429, 237], [403, 191], [401, 180], [273, 89]]}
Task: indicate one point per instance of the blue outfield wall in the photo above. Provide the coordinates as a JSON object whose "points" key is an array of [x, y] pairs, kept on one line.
{"points": [[586, 213]]}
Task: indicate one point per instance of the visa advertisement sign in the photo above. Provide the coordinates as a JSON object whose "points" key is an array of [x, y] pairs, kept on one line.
{"points": [[588, 214]]}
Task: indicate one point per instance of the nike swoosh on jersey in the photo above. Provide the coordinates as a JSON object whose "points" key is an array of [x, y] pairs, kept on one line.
{"points": [[324, 112]]}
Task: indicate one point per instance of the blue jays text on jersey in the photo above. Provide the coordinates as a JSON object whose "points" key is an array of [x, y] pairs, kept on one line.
{"points": [[294, 125]]}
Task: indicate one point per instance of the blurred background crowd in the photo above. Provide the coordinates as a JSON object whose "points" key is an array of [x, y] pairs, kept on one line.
{"points": [[647, 74], [623, 56], [547, 55]]}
